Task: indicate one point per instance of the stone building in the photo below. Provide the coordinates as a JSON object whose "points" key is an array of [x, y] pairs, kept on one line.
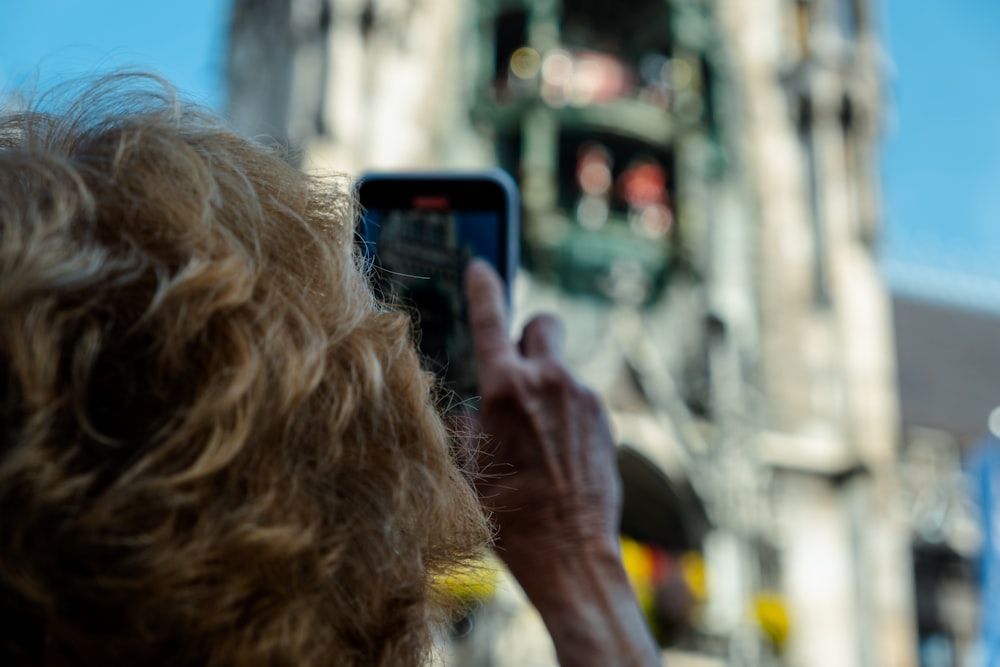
{"points": [[701, 203], [810, 76]]}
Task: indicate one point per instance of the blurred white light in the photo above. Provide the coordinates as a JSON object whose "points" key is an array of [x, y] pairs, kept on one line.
{"points": [[587, 79], [557, 71], [594, 170], [557, 68], [994, 422], [592, 212], [653, 221]]}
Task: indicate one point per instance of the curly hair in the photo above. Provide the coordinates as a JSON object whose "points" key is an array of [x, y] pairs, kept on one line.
{"points": [[216, 446]]}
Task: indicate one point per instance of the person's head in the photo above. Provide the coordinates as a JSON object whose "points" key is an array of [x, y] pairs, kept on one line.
{"points": [[216, 447]]}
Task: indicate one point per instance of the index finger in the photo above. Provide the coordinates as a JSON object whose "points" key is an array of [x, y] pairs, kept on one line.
{"points": [[484, 294]]}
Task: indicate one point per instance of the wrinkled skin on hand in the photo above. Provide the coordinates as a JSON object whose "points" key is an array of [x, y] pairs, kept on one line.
{"points": [[550, 480], [549, 475]]}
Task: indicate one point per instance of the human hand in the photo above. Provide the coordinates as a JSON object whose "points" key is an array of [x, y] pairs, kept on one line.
{"points": [[549, 475], [550, 480]]}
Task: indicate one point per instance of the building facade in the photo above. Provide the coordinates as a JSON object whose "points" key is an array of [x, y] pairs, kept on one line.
{"points": [[700, 203]]}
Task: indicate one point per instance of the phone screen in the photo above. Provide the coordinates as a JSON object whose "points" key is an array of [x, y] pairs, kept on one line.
{"points": [[420, 232]]}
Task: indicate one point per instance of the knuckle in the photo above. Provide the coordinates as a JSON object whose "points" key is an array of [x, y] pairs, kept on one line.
{"points": [[552, 375], [502, 382], [542, 323], [554, 378]]}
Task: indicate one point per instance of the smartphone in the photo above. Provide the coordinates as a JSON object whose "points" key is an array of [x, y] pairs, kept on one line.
{"points": [[419, 231]]}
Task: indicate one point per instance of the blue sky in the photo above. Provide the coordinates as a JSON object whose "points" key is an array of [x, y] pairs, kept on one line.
{"points": [[941, 164], [181, 39]]}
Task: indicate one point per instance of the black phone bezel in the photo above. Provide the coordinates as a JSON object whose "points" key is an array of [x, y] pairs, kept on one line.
{"points": [[475, 191]]}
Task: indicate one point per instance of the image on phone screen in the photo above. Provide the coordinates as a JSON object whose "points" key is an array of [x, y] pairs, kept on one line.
{"points": [[420, 248]]}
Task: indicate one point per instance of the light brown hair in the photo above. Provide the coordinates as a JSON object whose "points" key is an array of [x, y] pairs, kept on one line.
{"points": [[216, 447]]}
